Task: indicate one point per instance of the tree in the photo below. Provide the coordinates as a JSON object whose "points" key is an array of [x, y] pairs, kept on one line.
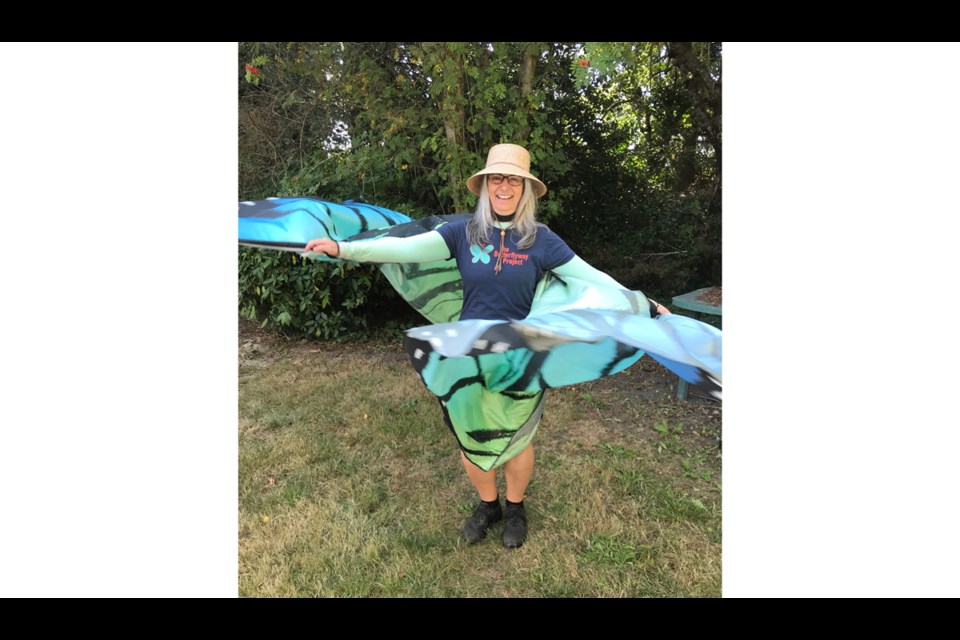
{"points": [[626, 135]]}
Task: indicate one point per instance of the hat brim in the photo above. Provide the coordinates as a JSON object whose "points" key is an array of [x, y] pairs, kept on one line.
{"points": [[475, 182]]}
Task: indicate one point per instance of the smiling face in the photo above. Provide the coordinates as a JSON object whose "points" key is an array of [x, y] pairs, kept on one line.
{"points": [[504, 197]]}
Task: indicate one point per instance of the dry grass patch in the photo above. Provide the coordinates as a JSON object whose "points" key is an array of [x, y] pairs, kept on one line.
{"points": [[346, 454]]}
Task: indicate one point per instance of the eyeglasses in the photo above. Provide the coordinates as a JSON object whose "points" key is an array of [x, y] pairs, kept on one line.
{"points": [[496, 179]]}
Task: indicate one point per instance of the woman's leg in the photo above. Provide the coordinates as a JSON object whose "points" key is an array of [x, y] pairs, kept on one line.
{"points": [[518, 471], [484, 481]]}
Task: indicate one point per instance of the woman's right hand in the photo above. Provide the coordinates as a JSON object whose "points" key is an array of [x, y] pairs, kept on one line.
{"points": [[324, 245]]}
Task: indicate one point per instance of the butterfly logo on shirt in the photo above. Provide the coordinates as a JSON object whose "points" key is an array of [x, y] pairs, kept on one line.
{"points": [[481, 255]]}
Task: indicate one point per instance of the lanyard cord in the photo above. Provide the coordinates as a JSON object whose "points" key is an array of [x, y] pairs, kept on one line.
{"points": [[499, 265]]}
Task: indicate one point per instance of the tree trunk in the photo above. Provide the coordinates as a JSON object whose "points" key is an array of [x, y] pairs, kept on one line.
{"points": [[450, 103], [454, 124], [528, 66]]}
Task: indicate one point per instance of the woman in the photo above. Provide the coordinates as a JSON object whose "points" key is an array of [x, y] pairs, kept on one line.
{"points": [[502, 253]]}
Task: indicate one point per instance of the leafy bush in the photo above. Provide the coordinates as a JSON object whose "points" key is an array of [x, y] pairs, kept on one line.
{"points": [[653, 244], [332, 301]]}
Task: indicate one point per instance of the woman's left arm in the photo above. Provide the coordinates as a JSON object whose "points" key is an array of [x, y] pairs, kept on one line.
{"points": [[578, 268]]}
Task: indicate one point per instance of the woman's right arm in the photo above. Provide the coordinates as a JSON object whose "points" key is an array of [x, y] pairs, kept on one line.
{"points": [[424, 247]]}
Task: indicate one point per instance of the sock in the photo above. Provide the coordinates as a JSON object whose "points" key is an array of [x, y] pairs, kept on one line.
{"points": [[514, 503], [492, 503]]}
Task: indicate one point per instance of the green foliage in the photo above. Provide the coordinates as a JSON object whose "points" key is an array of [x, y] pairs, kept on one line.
{"points": [[325, 300], [253, 69]]}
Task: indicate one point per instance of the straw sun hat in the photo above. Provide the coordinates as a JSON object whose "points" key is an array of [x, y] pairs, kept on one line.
{"points": [[508, 159]]}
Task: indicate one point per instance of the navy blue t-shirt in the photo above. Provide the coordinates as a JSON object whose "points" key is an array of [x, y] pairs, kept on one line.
{"points": [[506, 295]]}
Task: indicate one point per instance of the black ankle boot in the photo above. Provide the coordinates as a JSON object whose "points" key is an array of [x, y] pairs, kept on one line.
{"points": [[483, 516], [514, 525]]}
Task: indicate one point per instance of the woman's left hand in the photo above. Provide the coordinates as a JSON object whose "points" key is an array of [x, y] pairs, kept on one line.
{"points": [[324, 245]]}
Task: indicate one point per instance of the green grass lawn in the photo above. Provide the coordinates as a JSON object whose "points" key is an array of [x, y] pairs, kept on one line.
{"points": [[351, 485]]}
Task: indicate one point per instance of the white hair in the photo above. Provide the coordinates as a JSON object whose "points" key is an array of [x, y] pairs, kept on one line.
{"points": [[524, 224]]}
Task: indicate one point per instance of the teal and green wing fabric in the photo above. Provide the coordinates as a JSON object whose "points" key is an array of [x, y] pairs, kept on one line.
{"points": [[434, 289], [287, 224], [491, 376], [560, 343]]}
